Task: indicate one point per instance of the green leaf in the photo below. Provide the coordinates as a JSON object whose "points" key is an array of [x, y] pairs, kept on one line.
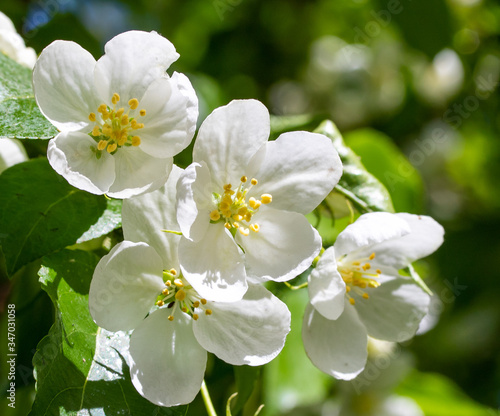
{"points": [[282, 124], [290, 379], [439, 396], [110, 220], [356, 184], [390, 166], [41, 213], [79, 367], [246, 377], [19, 114]]}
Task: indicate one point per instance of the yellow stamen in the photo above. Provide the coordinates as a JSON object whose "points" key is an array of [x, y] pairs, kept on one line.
{"points": [[244, 231], [196, 304], [195, 316], [178, 283], [366, 296], [173, 272], [136, 141], [160, 303], [171, 318], [112, 147], [142, 112], [352, 301], [180, 295], [165, 292], [103, 108], [133, 103], [102, 145], [237, 217], [378, 271], [372, 256], [227, 225], [214, 215], [255, 227], [120, 112], [92, 116], [254, 181], [243, 179], [115, 98], [124, 120], [203, 301], [208, 312], [266, 198], [366, 266], [96, 132]]}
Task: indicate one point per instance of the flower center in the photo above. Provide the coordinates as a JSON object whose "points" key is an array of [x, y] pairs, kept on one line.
{"points": [[178, 293], [114, 127], [233, 207], [357, 276]]}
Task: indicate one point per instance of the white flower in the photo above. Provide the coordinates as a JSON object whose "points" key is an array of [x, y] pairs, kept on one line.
{"points": [[241, 202], [12, 45], [11, 152], [356, 290], [121, 119], [169, 348]]}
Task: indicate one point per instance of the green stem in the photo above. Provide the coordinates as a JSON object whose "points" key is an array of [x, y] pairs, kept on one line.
{"points": [[359, 203], [296, 287], [207, 400]]}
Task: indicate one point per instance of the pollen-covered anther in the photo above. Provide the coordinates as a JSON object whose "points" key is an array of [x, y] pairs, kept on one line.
{"points": [[203, 301], [173, 272], [215, 215], [180, 295], [195, 316], [136, 141], [142, 112], [179, 283], [115, 98], [352, 301], [254, 181], [208, 311], [254, 203], [196, 304], [112, 147], [266, 198], [102, 144], [244, 231], [366, 296], [255, 228], [160, 303], [168, 283], [171, 318], [133, 103], [92, 117], [243, 179], [165, 292], [372, 256]]}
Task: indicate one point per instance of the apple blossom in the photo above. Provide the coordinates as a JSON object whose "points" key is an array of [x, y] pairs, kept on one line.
{"points": [[241, 203], [12, 44], [121, 119], [356, 291], [168, 347]]}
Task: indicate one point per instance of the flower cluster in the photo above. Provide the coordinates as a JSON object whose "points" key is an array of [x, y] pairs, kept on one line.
{"points": [[200, 244]]}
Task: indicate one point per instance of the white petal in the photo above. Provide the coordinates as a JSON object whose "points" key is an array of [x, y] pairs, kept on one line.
{"points": [[326, 287], [425, 237], [64, 85], [12, 152], [284, 247], [168, 364], [336, 347], [132, 61], [170, 124], [229, 137], [125, 285], [368, 230], [194, 201], [251, 331], [145, 216], [70, 155], [299, 169], [6, 24], [138, 172], [394, 310], [214, 265]]}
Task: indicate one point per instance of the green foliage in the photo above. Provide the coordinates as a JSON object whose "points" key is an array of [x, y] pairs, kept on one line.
{"points": [[383, 159], [291, 379], [439, 396], [78, 366], [110, 220], [356, 184], [246, 377], [19, 114], [41, 213]]}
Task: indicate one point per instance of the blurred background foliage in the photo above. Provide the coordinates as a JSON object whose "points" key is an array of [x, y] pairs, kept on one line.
{"points": [[413, 87]]}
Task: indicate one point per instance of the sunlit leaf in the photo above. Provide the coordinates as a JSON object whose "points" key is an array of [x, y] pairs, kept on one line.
{"points": [[79, 367], [41, 213], [19, 114]]}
